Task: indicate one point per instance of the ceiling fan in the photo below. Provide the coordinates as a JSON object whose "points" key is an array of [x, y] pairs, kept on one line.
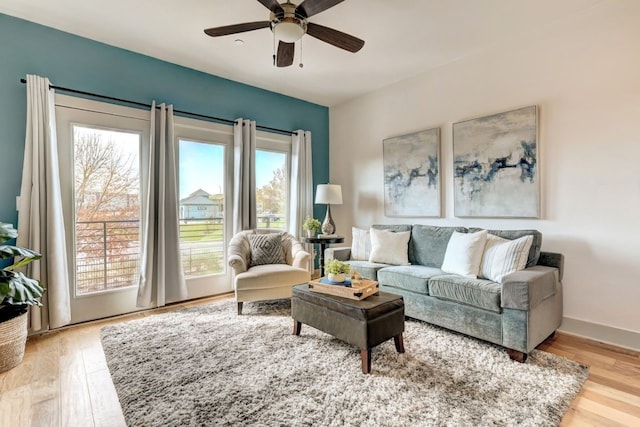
{"points": [[289, 23]]}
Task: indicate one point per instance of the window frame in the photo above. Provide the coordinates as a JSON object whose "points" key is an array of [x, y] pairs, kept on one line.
{"points": [[279, 143], [72, 111]]}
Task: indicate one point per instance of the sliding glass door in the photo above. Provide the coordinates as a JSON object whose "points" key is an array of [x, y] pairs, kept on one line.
{"points": [[100, 147], [103, 149], [205, 186]]}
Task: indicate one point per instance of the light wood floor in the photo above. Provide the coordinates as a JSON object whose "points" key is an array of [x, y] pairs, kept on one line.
{"points": [[64, 381]]}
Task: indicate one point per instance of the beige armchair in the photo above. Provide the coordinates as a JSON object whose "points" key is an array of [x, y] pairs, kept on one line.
{"points": [[269, 281]]}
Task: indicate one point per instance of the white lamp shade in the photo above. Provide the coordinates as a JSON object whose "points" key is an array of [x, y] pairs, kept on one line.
{"points": [[329, 194], [288, 32]]}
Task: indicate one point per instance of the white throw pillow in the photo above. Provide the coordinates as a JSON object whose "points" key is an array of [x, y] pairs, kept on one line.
{"points": [[504, 256], [464, 253], [360, 244], [388, 247]]}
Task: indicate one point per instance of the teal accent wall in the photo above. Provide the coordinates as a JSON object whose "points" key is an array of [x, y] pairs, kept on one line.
{"points": [[83, 64]]}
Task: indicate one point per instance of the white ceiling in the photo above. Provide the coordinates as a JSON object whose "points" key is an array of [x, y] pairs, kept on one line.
{"points": [[403, 37]]}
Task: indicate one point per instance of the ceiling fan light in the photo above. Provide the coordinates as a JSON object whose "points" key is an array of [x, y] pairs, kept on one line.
{"points": [[288, 32]]}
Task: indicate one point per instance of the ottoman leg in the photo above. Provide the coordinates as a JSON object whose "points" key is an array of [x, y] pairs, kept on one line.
{"points": [[399, 342], [365, 354], [296, 327]]}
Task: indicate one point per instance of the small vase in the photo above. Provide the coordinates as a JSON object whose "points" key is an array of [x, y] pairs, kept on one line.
{"points": [[337, 278], [311, 233]]}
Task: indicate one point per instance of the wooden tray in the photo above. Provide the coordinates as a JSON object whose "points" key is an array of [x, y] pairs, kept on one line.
{"points": [[364, 289]]}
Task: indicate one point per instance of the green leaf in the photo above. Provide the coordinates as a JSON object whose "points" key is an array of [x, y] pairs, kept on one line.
{"points": [[7, 251], [335, 266], [15, 287], [7, 232], [18, 289], [4, 289]]}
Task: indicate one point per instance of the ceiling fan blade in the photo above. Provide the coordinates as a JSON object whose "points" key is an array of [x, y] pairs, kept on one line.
{"points": [[335, 37], [285, 54], [236, 28], [312, 7], [272, 5]]}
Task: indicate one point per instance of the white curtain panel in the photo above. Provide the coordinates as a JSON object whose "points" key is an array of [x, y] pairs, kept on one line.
{"points": [[161, 273], [40, 220], [244, 186], [301, 202]]}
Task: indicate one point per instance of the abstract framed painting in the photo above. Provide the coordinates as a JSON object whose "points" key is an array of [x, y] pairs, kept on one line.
{"points": [[495, 165], [412, 174]]}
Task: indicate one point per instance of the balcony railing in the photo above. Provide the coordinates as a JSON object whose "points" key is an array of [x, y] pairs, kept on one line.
{"points": [[108, 252]]}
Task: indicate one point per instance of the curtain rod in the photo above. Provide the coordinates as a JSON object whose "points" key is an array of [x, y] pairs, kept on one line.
{"points": [[141, 104]]}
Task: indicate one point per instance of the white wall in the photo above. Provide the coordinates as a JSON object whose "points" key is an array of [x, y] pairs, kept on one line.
{"points": [[584, 76]]}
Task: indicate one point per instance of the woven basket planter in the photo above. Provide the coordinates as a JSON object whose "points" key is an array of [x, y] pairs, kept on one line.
{"points": [[13, 337]]}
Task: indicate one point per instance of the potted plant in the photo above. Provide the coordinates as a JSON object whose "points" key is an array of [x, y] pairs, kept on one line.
{"points": [[17, 293], [337, 270], [311, 225]]}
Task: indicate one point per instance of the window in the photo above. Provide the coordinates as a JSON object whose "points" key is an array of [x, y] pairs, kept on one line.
{"points": [[272, 180], [205, 186], [102, 148], [107, 208], [202, 192], [103, 153]]}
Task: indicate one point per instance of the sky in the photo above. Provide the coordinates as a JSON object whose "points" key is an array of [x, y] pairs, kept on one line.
{"points": [[201, 166], [127, 143]]}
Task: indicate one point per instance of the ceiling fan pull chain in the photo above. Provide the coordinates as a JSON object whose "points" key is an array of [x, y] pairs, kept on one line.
{"points": [[274, 48], [301, 64]]}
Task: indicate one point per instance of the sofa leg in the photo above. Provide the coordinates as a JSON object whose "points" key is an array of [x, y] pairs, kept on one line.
{"points": [[516, 355], [239, 308]]}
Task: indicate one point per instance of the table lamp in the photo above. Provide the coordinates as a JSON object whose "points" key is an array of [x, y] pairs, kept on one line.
{"points": [[329, 194]]}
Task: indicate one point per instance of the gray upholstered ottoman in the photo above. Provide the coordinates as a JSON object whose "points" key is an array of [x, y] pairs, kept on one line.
{"points": [[364, 323]]}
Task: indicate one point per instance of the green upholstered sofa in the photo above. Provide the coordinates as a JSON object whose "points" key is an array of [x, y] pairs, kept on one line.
{"points": [[518, 313]]}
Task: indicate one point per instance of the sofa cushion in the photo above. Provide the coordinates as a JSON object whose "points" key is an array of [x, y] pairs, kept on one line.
{"points": [[464, 253], [366, 269], [360, 244], [534, 251], [503, 256], [475, 292], [270, 276], [389, 247], [428, 244], [412, 278]]}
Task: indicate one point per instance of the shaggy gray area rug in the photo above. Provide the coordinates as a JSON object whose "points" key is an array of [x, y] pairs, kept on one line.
{"points": [[207, 366]]}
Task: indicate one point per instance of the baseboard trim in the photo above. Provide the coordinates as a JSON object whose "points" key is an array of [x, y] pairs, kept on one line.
{"points": [[603, 333]]}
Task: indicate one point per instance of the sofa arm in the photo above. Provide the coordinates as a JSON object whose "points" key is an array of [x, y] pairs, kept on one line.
{"points": [[239, 251], [301, 260], [552, 259], [525, 289], [342, 254], [238, 263]]}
